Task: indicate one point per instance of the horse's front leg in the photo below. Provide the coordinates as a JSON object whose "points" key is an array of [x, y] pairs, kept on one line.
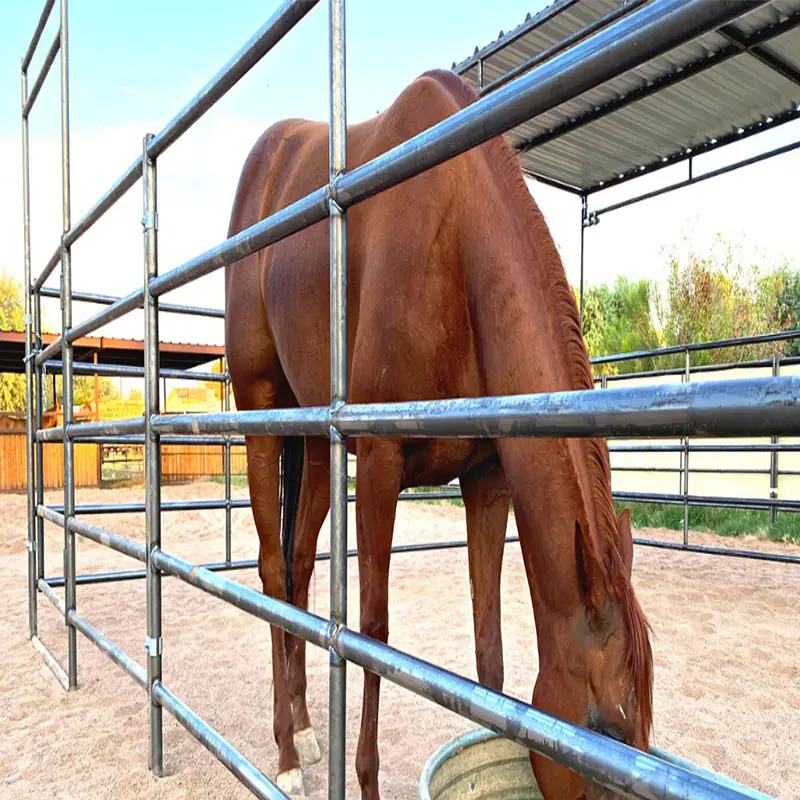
{"points": [[486, 500], [379, 472]]}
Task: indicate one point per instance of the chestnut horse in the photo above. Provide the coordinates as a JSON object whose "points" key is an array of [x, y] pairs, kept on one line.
{"points": [[455, 289]]}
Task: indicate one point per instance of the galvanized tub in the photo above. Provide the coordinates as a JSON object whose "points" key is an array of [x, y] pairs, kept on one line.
{"points": [[481, 765]]}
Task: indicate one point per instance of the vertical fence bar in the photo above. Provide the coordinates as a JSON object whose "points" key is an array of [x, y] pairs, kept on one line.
{"points": [[584, 214], [38, 412], [152, 446], [338, 269], [29, 429], [66, 358], [685, 491], [480, 74], [226, 406], [773, 459]]}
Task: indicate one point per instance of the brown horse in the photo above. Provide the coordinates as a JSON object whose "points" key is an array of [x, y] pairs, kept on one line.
{"points": [[455, 289]]}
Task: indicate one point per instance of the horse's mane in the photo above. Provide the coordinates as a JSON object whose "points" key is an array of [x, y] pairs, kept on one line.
{"points": [[604, 550]]}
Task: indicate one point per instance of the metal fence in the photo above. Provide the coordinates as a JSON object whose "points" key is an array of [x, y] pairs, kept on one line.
{"points": [[765, 407]]}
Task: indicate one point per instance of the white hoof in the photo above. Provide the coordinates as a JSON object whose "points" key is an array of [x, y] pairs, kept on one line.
{"points": [[291, 782], [305, 742]]}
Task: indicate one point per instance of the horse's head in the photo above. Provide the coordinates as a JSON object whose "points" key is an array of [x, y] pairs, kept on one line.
{"points": [[600, 675]]}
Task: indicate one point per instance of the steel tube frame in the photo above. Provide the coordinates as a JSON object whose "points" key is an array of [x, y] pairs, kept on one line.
{"points": [[612, 764], [767, 407], [645, 33], [152, 454], [66, 358], [37, 34], [49, 60], [227, 464], [29, 345], [244, 770], [107, 300], [337, 693], [133, 371], [284, 19]]}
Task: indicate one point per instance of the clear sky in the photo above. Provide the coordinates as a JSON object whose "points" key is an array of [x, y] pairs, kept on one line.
{"points": [[133, 65]]}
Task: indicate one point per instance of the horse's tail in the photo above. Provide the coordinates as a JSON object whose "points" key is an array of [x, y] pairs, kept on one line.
{"points": [[291, 478]]}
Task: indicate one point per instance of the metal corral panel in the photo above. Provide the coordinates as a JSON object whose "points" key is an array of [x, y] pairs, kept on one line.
{"points": [[730, 83]]}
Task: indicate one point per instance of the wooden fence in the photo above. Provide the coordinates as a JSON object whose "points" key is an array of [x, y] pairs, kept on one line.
{"points": [[13, 474], [97, 467]]}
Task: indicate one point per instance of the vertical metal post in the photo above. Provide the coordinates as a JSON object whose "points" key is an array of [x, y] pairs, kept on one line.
{"points": [[480, 75], [584, 215], [66, 358], [152, 447], [686, 378], [773, 463], [226, 406], [38, 410], [338, 273], [29, 429]]}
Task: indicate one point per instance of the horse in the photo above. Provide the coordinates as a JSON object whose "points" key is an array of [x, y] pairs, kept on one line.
{"points": [[455, 289]]}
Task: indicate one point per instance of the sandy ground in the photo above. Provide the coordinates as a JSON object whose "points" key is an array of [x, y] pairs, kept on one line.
{"points": [[727, 649]]}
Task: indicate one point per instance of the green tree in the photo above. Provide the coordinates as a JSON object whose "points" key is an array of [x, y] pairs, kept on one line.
{"points": [[12, 318], [619, 319], [788, 305], [12, 386], [714, 296]]}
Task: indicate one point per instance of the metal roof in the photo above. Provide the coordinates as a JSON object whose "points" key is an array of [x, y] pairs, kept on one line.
{"points": [[719, 88], [174, 355]]}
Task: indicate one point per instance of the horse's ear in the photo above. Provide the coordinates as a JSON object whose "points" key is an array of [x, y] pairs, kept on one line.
{"points": [[625, 539]]}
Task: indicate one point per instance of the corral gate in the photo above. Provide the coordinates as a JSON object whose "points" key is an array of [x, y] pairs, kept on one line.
{"points": [[766, 406]]}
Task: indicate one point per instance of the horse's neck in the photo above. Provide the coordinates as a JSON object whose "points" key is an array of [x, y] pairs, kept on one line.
{"points": [[528, 344]]}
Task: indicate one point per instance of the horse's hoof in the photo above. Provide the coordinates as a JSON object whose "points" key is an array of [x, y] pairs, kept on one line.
{"points": [[291, 782], [305, 742]]}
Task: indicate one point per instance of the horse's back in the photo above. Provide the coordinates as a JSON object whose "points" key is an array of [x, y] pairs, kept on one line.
{"points": [[409, 327]]}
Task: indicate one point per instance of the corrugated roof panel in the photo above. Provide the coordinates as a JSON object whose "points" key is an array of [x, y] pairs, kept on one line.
{"points": [[787, 47], [701, 102]]}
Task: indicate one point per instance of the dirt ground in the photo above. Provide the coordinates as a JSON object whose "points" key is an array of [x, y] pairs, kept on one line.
{"points": [[726, 642]]}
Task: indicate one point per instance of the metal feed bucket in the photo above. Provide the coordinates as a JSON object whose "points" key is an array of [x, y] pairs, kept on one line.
{"points": [[481, 765]]}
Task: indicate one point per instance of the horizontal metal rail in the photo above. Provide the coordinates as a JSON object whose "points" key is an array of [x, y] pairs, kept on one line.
{"points": [[599, 58], [707, 501], [243, 769], [121, 544], [763, 406], [37, 34], [718, 344], [599, 758], [49, 267], [189, 441], [138, 508], [757, 555], [116, 654], [107, 300], [133, 371], [705, 448], [48, 63], [77, 430], [695, 179], [105, 645], [281, 22], [116, 310], [51, 662], [47, 590]]}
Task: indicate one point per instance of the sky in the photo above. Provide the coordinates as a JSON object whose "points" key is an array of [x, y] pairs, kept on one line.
{"points": [[133, 65]]}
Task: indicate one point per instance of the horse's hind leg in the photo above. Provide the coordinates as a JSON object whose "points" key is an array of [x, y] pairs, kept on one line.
{"points": [[380, 468], [263, 454], [315, 500], [486, 499]]}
